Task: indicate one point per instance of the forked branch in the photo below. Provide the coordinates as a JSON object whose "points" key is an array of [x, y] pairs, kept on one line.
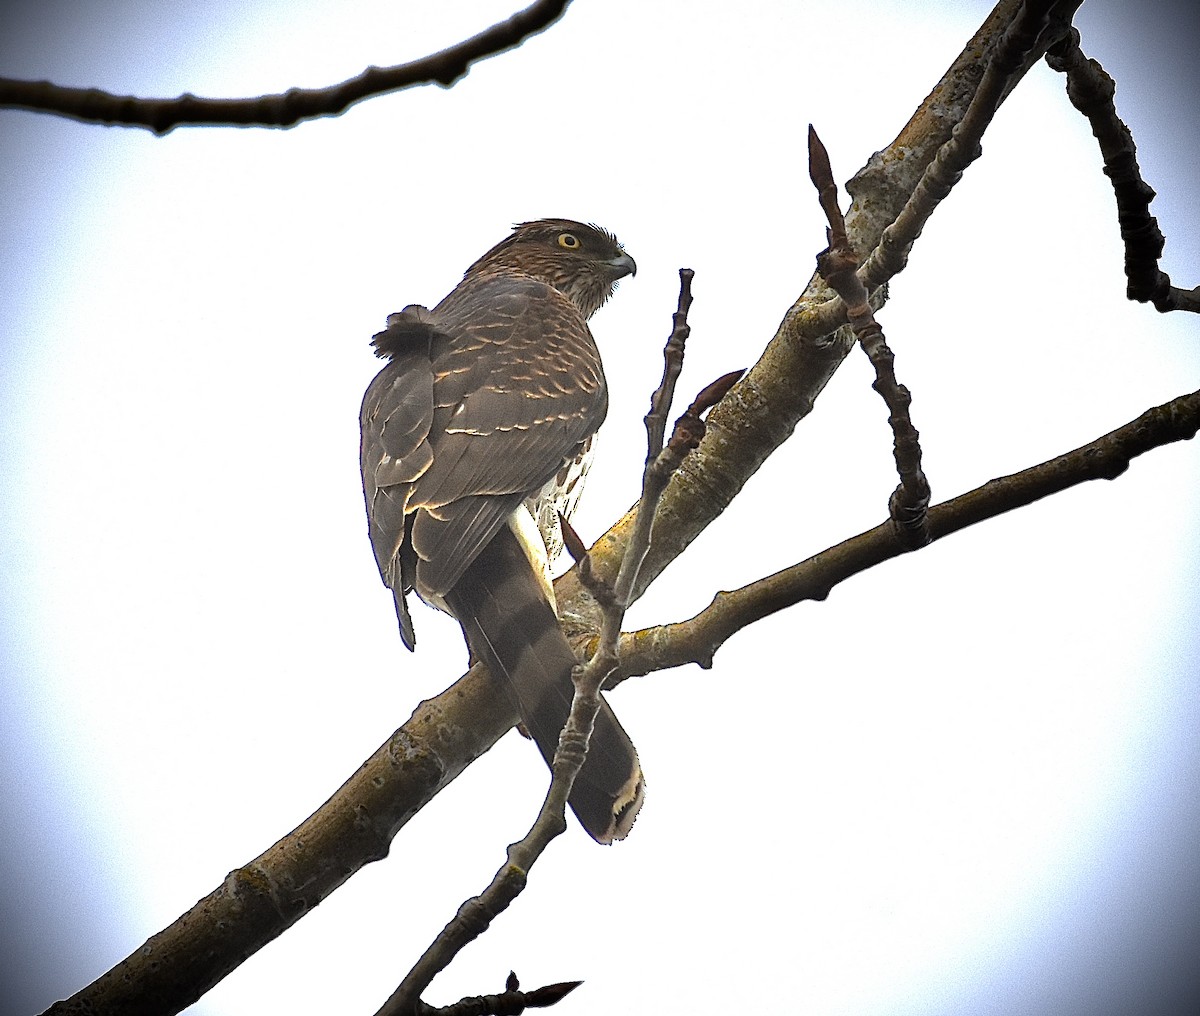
{"points": [[697, 639]]}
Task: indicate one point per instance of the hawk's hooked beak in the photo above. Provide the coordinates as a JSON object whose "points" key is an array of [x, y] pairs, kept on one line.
{"points": [[622, 266]]}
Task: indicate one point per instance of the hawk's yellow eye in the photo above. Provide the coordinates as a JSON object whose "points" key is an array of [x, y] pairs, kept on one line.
{"points": [[568, 240]]}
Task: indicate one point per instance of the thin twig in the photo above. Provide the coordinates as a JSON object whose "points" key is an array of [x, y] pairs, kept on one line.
{"points": [[286, 109], [600, 590], [660, 403], [838, 265], [659, 467], [1092, 91]]}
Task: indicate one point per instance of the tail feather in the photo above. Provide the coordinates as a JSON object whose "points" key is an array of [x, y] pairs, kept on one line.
{"points": [[510, 625]]}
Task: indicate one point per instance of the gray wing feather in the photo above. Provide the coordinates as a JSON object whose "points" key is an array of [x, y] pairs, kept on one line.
{"points": [[485, 398], [447, 539]]}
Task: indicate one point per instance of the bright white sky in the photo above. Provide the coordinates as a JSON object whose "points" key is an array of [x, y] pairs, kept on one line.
{"points": [[963, 784]]}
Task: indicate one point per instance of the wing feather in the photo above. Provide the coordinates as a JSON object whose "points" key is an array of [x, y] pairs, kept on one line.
{"points": [[447, 539], [483, 401]]}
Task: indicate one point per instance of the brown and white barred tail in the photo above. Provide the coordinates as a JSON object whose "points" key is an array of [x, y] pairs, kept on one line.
{"points": [[510, 625]]}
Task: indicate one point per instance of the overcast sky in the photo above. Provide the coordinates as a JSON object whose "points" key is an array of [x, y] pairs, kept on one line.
{"points": [[965, 783]]}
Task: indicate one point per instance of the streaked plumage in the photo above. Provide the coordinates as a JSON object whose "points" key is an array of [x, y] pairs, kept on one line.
{"points": [[487, 408]]}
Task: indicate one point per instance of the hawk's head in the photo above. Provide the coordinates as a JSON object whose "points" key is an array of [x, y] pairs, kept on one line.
{"points": [[582, 262]]}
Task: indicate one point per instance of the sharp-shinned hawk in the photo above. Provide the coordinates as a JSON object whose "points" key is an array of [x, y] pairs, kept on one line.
{"points": [[474, 436]]}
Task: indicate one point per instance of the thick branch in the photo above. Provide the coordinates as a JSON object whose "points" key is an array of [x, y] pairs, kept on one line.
{"points": [[697, 639], [1036, 24], [265, 897], [782, 387], [91, 105]]}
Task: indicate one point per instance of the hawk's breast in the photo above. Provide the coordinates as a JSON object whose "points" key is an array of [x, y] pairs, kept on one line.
{"points": [[560, 494]]}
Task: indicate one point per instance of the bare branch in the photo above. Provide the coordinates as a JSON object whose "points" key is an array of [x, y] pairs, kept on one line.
{"points": [[92, 105], [804, 354], [1007, 65], [660, 465], [697, 639], [1091, 91], [259, 901], [600, 590], [838, 266], [660, 404], [512, 1002]]}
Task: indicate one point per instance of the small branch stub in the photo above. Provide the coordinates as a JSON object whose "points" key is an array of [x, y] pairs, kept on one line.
{"points": [[690, 428]]}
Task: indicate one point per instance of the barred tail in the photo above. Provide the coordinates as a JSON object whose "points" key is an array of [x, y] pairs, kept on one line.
{"points": [[510, 625]]}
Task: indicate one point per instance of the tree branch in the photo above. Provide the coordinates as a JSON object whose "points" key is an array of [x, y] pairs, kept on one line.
{"points": [[697, 639], [838, 266], [1092, 91], [781, 389], [511, 1002], [259, 901], [91, 105], [1035, 25]]}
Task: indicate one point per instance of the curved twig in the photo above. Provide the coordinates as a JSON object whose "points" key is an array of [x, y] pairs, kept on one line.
{"points": [[286, 109], [1091, 91]]}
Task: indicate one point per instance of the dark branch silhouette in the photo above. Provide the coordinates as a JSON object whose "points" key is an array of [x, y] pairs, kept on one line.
{"points": [[1091, 91], [510, 1002], [286, 109]]}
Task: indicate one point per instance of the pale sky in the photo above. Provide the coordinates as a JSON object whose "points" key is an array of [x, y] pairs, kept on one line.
{"points": [[965, 783]]}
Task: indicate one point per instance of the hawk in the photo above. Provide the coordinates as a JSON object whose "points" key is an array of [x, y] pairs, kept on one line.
{"points": [[474, 437]]}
